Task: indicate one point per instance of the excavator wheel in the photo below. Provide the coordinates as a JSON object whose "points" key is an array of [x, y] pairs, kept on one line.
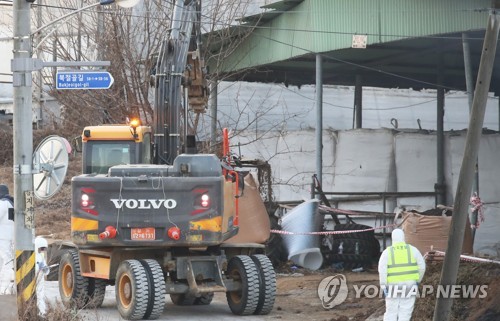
{"points": [[267, 278], [73, 287], [243, 269], [157, 288], [132, 290], [96, 293]]}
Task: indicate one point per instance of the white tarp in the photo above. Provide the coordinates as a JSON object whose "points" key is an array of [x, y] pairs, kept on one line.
{"points": [[258, 106], [381, 160], [487, 238], [293, 160], [364, 163], [416, 168]]}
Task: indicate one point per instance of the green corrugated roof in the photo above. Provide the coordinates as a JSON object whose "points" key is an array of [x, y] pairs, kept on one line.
{"points": [[283, 42], [277, 7]]}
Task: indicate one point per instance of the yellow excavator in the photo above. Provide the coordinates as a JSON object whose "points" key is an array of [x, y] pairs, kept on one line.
{"points": [[153, 217]]}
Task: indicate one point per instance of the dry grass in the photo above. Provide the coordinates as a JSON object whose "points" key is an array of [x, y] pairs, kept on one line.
{"points": [[55, 312]]}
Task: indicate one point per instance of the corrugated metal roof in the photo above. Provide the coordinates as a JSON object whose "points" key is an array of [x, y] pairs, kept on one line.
{"points": [[282, 5], [278, 8], [282, 43]]}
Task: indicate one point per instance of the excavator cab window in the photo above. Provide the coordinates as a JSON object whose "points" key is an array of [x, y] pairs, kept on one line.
{"points": [[100, 156]]}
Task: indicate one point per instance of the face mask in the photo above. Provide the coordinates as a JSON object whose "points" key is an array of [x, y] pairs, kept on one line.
{"points": [[42, 254]]}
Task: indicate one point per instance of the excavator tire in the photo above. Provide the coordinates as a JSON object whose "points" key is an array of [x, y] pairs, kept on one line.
{"points": [[243, 269], [73, 287], [96, 292], [132, 290], [157, 289], [267, 280]]}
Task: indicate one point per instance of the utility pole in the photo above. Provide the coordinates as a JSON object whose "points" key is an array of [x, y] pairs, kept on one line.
{"points": [[449, 272], [23, 149], [469, 83], [22, 66], [39, 78]]}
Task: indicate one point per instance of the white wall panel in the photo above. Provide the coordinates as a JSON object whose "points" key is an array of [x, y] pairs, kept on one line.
{"points": [[363, 161], [487, 239], [416, 168]]}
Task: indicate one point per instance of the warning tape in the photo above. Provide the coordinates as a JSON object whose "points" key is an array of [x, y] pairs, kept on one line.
{"points": [[332, 232], [466, 258]]}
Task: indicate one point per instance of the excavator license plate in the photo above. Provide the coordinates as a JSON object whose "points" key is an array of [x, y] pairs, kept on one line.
{"points": [[142, 234]]}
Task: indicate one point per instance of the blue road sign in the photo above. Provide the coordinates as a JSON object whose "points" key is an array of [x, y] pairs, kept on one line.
{"points": [[83, 80]]}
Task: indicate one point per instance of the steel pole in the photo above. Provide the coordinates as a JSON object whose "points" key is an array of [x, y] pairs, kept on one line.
{"points": [[358, 101], [441, 181], [319, 118], [449, 271], [23, 150], [213, 116]]}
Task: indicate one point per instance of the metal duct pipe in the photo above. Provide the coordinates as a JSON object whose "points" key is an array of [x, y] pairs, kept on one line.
{"points": [[303, 250]]}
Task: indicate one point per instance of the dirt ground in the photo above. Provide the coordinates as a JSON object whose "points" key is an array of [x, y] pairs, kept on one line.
{"points": [[297, 297], [477, 309]]}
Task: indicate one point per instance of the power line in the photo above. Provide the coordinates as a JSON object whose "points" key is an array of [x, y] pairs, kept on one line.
{"points": [[380, 109], [250, 26], [324, 55]]}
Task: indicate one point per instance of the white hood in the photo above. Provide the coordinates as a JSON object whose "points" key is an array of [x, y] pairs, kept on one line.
{"points": [[398, 236]]}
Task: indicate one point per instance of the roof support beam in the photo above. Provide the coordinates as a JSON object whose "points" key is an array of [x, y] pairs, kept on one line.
{"points": [[358, 101], [319, 119]]}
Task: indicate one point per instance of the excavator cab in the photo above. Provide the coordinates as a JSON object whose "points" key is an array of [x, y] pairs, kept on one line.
{"points": [[109, 145]]}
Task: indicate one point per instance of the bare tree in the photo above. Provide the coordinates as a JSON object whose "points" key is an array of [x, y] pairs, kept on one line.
{"points": [[129, 39]]}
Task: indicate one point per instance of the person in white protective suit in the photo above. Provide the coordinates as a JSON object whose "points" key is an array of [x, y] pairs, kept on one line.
{"points": [[401, 267], [7, 274], [41, 270]]}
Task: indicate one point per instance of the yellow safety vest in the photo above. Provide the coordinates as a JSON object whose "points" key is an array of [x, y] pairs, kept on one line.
{"points": [[401, 264]]}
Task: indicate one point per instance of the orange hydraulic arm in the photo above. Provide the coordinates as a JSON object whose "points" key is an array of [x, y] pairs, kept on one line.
{"points": [[229, 173]]}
